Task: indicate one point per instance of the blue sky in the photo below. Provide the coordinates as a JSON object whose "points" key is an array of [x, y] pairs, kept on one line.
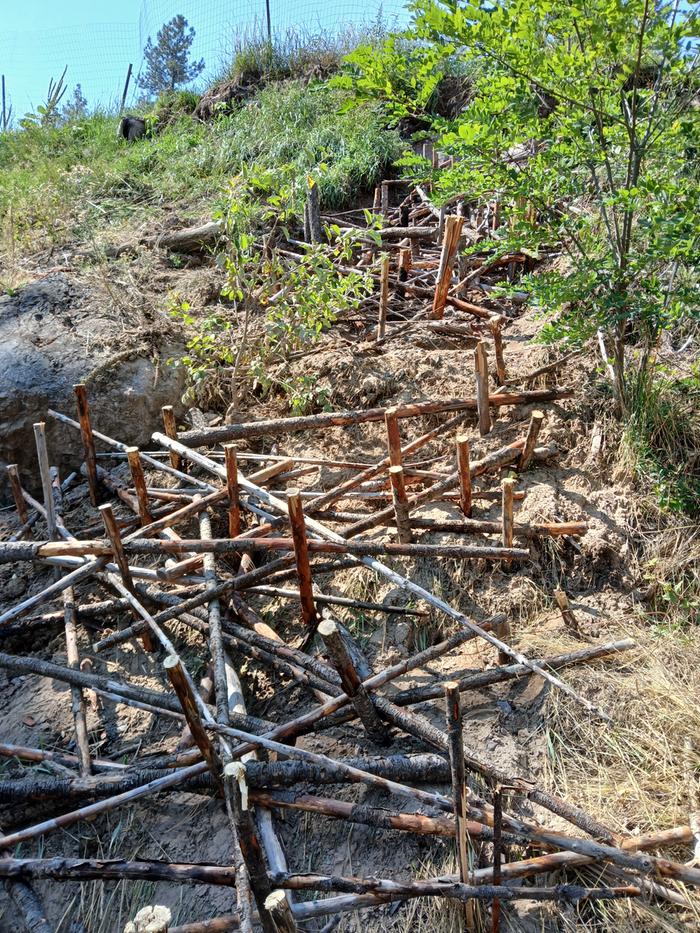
{"points": [[98, 39]]}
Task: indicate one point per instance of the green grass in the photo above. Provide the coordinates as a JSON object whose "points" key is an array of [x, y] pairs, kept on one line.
{"points": [[73, 182]]}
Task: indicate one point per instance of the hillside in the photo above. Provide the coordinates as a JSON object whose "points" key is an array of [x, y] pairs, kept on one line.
{"points": [[320, 294]]}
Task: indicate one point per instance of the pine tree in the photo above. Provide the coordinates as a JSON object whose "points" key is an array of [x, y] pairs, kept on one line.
{"points": [[167, 62]]}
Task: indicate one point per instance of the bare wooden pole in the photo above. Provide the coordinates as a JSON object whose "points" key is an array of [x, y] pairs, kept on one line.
{"points": [[170, 428], [400, 502], [453, 231], [279, 910], [88, 442], [393, 437], [383, 298], [216, 644], [18, 497], [234, 510], [497, 836], [351, 680], [139, 482], [481, 370], [77, 696], [533, 431], [173, 668], [45, 471], [496, 327], [244, 828], [301, 554], [507, 489], [120, 558], [404, 263], [459, 783], [465, 479]]}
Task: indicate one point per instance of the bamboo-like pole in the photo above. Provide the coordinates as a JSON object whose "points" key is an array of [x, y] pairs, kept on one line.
{"points": [[533, 431], [280, 912], [45, 471], [301, 554], [383, 298], [465, 479], [181, 685], [139, 482], [88, 442], [234, 510], [453, 231], [400, 503], [351, 681], [481, 371]]}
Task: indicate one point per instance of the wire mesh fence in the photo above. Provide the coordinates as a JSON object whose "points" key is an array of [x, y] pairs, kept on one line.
{"points": [[97, 55]]}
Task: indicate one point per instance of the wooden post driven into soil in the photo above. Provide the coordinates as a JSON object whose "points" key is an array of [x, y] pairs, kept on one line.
{"points": [[383, 298], [459, 786], [453, 231], [18, 497], [400, 503], [465, 479], [139, 482], [88, 442], [481, 370], [234, 510], [393, 437], [301, 554], [351, 681], [533, 431], [181, 686], [170, 428]]}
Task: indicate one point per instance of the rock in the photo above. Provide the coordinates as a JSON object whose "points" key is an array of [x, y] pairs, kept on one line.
{"points": [[402, 631], [151, 919], [54, 333]]}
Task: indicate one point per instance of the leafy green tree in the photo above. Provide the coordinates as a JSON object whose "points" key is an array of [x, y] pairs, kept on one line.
{"points": [[167, 62], [584, 127]]}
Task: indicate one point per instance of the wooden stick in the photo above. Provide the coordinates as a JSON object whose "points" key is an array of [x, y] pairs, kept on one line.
{"points": [[404, 267], [453, 231], [482, 387], [27, 902], [77, 697], [313, 203], [170, 428], [497, 838], [507, 488], [301, 554], [351, 681], [459, 784], [231, 432], [465, 480], [216, 646], [242, 820], [234, 511], [393, 437], [139, 482], [323, 599], [44, 469], [400, 503], [533, 431], [383, 298], [280, 912], [88, 442], [173, 668], [16, 488], [496, 325]]}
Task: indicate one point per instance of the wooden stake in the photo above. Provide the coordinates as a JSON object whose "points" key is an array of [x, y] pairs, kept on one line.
{"points": [[351, 680], [459, 785], [383, 298], [481, 370], [88, 442], [170, 428], [121, 561], [313, 202], [533, 431], [244, 829], [181, 686], [507, 487], [400, 503], [139, 482], [496, 324], [497, 827], [465, 479], [234, 509], [17, 495], [393, 437], [45, 471], [453, 231], [278, 907], [77, 697], [301, 554], [385, 198], [404, 263], [567, 614]]}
